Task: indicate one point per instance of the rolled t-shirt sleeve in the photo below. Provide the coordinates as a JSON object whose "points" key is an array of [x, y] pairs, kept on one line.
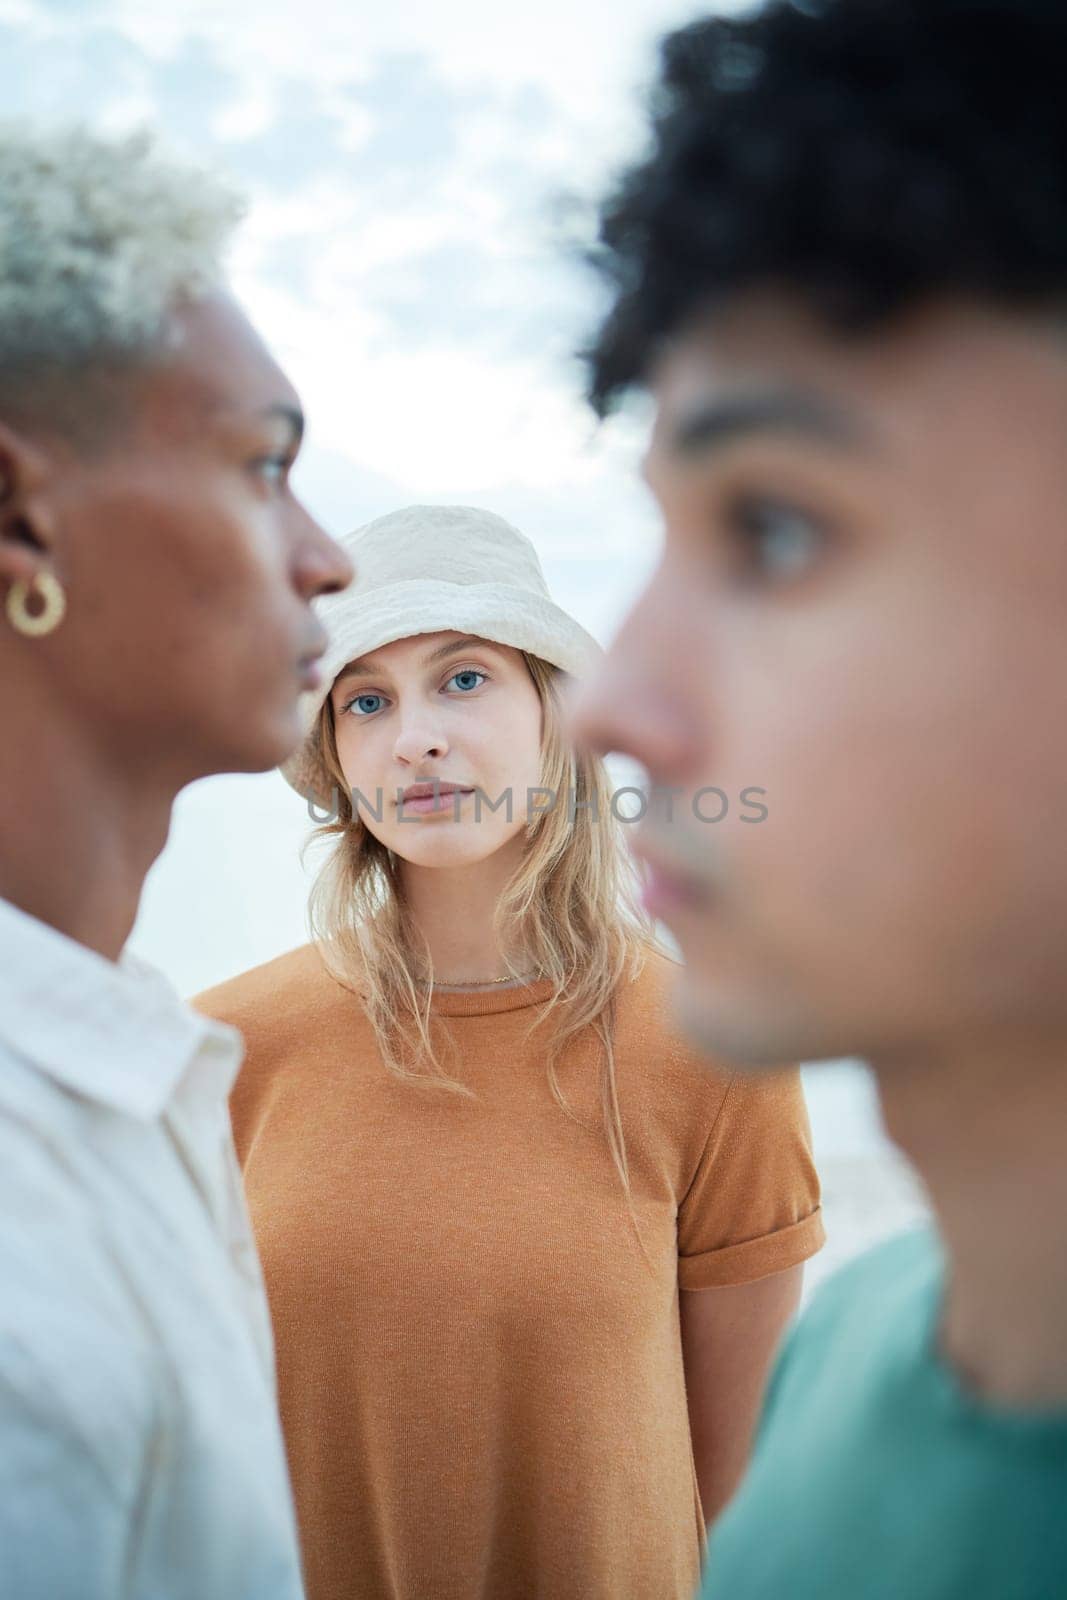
{"points": [[753, 1206]]}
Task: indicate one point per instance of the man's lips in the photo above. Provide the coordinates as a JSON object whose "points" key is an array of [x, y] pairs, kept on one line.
{"points": [[308, 663], [668, 887]]}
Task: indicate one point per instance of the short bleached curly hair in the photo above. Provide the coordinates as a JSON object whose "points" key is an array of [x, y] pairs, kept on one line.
{"points": [[100, 239]]}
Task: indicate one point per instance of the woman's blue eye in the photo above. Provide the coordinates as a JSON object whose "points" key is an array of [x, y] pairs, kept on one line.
{"points": [[780, 541], [353, 703], [468, 672]]}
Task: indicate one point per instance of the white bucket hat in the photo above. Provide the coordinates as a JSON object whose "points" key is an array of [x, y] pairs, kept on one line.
{"points": [[428, 569]]}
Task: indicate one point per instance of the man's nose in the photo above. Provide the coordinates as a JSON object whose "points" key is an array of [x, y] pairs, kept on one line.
{"points": [[633, 703], [323, 566]]}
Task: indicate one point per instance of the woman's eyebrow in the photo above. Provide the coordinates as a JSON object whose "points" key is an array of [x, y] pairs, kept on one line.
{"points": [[368, 669], [467, 642]]}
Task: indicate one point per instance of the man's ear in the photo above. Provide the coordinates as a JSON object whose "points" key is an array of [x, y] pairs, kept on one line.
{"points": [[26, 519]]}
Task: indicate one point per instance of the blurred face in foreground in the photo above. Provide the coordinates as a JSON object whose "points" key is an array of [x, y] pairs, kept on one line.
{"points": [[861, 607], [188, 564], [450, 707]]}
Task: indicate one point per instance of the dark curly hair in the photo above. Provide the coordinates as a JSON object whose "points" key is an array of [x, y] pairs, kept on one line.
{"points": [[863, 154]]}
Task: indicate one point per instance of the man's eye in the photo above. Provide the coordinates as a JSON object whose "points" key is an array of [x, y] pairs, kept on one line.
{"points": [[274, 468], [778, 540]]}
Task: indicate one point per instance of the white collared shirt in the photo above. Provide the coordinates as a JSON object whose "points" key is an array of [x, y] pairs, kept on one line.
{"points": [[141, 1456]]}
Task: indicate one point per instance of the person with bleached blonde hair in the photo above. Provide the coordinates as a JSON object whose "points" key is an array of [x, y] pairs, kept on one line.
{"points": [[156, 579], [528, 1255]]}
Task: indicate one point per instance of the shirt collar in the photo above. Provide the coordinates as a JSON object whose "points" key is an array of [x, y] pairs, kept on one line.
{"points": [[116, 1033]]}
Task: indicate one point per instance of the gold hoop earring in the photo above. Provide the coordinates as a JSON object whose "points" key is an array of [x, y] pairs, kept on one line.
{"points": [[53, 605]]}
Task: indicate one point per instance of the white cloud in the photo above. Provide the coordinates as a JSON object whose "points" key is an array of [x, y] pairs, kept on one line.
{"points": [[587, 55]]}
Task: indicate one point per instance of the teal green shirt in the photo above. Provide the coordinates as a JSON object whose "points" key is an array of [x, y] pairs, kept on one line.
{"points": [[876, 1475]]}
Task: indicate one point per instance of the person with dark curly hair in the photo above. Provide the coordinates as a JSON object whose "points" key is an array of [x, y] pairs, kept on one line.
{"points": [[841, 270]]}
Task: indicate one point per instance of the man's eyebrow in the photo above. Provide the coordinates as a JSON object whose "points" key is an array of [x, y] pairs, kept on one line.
{"points": [[367, 669], [711, 424], [290, 414]]}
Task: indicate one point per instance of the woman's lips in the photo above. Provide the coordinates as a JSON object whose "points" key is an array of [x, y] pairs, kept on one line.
{"points": [[445, 800]]}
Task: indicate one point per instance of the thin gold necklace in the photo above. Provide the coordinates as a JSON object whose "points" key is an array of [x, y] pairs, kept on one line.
{"points": [[468, 982]]}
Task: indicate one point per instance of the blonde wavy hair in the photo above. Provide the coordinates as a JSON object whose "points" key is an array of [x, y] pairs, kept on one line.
{"points": [[572, 905]]}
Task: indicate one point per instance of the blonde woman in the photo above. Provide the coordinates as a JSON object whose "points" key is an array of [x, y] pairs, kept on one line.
{"points": [[528, 1256]]}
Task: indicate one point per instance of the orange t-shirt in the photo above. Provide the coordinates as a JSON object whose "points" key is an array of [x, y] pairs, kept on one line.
{"points": [[480, 1374]]}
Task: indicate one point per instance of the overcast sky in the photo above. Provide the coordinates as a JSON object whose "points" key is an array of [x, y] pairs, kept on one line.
{"points": [[413, 171]]}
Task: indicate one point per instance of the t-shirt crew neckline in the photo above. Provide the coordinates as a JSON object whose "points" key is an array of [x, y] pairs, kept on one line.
{"points": [[487, 1002]]}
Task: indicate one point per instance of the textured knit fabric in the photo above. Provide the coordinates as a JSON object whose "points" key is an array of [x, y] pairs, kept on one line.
{"points": [[480, 1372], [877, 1475]]}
